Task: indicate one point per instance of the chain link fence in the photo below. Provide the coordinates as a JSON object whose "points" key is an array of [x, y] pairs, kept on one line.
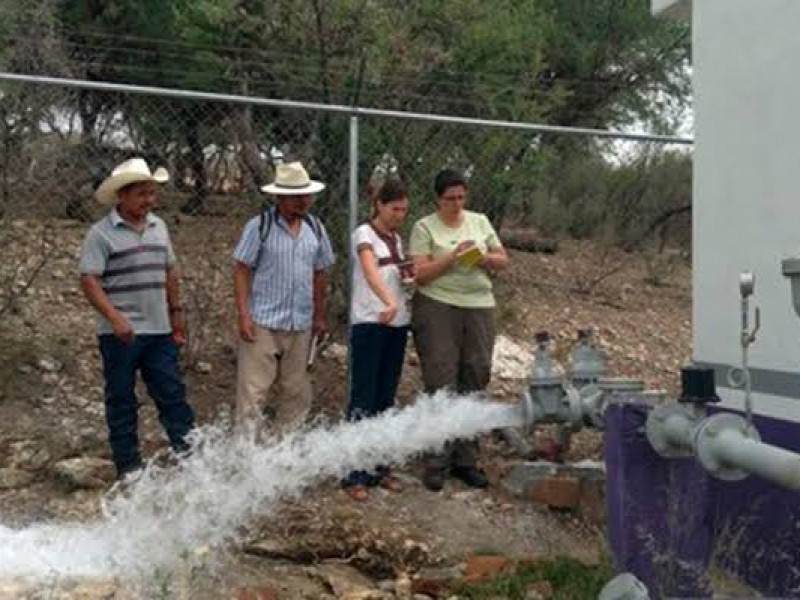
{"points": [[59, 141]]}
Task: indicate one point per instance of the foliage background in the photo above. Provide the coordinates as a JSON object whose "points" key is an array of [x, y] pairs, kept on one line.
{"points": [[586, 63]]}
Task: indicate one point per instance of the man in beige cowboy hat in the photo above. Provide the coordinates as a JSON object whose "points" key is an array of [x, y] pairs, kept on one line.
{"points": [[128, 274], [280, 287]]}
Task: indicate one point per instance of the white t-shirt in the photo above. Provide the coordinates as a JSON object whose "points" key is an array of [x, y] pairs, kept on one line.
{"points": [[366, 304]]}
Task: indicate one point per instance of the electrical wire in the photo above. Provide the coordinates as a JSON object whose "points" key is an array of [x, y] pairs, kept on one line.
{"points": [[295, 57]]}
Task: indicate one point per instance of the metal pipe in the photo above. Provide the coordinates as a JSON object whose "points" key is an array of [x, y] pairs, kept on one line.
{"points": [[352, 219], [747, 337], [745, 374], [352, 222], [731, 448], [725, 444], [748, 395], [670, 429], [338, 108], [516, 440], [678, 429]]}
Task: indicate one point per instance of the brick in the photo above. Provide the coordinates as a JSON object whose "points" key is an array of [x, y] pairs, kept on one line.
{"points": [[556, 492], [578, 486], [522, 474], [592, 504]]}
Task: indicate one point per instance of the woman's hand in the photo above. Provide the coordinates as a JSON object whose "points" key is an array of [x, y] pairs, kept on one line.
{"points": [[388, 314], [494, 261], [463, 247], [488, 264]]}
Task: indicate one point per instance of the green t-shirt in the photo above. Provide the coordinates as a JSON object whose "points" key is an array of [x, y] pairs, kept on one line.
{"points": [[464, 286]]}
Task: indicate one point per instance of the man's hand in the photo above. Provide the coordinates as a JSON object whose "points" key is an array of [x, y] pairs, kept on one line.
{"points": [[247, 329], [123, 330], [319, 326], [388, 314], [178, 322]]}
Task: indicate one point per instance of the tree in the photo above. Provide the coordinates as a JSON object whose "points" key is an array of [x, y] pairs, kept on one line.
{"points": [[598, 63], [613, 62]]}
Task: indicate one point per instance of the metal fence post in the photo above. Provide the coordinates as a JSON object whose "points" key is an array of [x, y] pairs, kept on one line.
{"points": [[352, 219]]}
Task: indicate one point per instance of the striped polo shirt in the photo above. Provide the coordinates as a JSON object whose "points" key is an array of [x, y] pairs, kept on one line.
{"points": [[282, 293], [132, 267]]}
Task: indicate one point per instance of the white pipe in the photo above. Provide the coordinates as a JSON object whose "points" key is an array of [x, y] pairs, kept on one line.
{"points": [[724, 444], [747, 339], [679, 429], [733, 449]]}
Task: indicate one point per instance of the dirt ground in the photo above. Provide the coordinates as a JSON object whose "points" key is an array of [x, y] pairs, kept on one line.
{"points": [[51, 395]]}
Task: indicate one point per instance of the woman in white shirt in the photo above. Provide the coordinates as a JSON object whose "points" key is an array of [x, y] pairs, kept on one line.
{"points": [[380, 321]]}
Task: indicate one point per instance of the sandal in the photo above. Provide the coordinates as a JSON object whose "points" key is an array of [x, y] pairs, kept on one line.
{"points": [[392, 483], [359, 493]]}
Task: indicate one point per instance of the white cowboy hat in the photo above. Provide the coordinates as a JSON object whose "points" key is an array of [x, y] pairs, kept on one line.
{"points": [[291, 179], [133, 170]]}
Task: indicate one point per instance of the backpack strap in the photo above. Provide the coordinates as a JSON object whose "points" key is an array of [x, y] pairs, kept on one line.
{"points": [[264, 227], [315, 224], [265, 220], [265, 223]]}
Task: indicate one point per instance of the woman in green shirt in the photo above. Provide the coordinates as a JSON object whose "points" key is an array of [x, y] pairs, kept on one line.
{"points": [[455, 251]]}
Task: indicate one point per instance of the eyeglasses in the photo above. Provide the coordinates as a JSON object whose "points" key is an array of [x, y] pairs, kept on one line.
{"points": [[454, 198]]}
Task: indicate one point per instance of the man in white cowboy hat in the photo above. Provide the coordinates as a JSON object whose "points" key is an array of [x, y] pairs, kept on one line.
{"points": [[280, 287], [128, 274]]}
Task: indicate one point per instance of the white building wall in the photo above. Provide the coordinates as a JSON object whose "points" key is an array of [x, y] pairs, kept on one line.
{"points": [[746, 56]]}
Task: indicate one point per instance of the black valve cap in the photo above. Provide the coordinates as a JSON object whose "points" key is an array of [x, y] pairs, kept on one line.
{"points": [[541, 337], [697, 385]]}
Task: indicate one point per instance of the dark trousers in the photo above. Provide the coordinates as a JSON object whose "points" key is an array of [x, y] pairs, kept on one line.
{"points": [[455, 347], [376, 365], [156, 357]]}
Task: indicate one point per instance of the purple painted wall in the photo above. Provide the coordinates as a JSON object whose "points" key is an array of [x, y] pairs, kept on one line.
{"points": [[757, 524], [668, 520], [659, 511]]}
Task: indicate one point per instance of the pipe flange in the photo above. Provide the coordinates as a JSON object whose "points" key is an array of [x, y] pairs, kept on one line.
{"points": [[593, 406], [657, 433], [572, 398], [530, 414], [708, 430]]}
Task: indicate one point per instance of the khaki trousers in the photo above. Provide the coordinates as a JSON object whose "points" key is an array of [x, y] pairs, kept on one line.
{"points": [[455, 348], [274, 355]]}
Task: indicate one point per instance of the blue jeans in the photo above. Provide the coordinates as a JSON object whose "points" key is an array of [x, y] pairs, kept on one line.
{"points": [[156, 357], [377, 363]]}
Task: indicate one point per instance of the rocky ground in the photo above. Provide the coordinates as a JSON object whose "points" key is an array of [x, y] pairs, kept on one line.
{"points": [[53, 454]]}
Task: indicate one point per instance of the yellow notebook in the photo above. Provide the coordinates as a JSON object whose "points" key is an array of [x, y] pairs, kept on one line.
{"points": [[470, 257]]}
